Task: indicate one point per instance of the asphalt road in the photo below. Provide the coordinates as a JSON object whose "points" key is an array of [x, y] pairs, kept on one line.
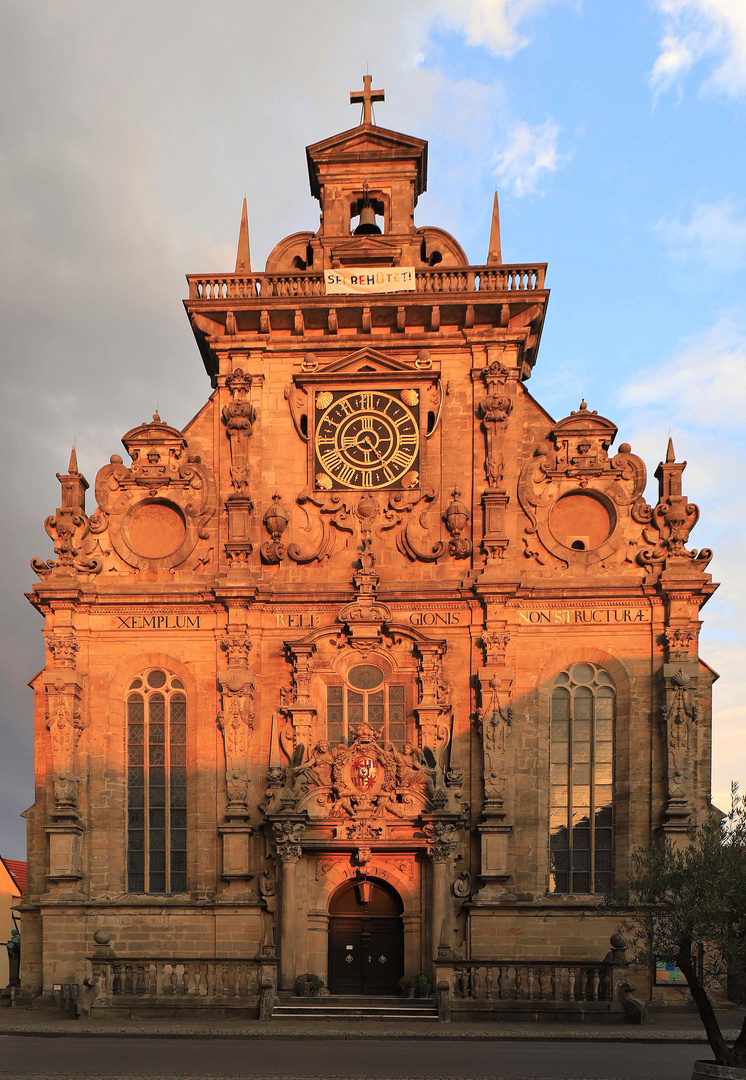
{"points": [[35, 1058]]}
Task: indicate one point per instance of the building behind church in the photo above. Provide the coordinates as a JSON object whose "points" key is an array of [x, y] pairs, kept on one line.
{"points": [[374, 668]]}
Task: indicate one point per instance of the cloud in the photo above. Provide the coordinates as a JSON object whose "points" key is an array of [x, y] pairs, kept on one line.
{"points": [[699, 393], [697, 29], [715, 233], [703, 384], [530, 154], [494, 24]]}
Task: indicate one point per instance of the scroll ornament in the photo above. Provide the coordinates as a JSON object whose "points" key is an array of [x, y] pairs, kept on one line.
{"points": [[156, 510], [70, 529]]}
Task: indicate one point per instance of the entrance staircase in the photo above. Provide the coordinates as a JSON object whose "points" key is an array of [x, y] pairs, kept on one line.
{"points": [[354, 1007]]}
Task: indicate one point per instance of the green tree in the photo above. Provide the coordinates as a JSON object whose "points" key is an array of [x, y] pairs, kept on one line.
{"points": [[680, 897]]}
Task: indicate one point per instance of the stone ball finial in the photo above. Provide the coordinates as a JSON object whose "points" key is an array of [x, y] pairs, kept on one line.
{"points": [[102, 937], [618, 941]]}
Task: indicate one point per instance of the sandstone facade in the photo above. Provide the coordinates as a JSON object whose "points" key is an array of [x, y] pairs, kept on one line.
{"points": [[373, 617]]}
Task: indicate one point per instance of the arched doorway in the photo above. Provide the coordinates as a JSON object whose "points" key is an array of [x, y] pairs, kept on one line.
{"points": [[366, 939]]}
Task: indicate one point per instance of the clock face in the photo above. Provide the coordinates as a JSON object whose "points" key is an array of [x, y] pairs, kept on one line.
{"points": [[366, 439]]}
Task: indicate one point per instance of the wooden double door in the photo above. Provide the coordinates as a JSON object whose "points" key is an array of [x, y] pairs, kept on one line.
{"points": [[366, 940]]}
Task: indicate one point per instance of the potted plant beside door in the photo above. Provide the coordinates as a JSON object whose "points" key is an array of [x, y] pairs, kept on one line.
{"points": [[308, 985], [421, 985], [407, 987]]}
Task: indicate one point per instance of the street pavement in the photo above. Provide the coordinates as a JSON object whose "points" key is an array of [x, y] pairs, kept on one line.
{"points": [[46, 1046], [34, 1058]]}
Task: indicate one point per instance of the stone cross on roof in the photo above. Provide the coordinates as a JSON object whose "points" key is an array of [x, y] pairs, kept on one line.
{"points": [[367, 96]]}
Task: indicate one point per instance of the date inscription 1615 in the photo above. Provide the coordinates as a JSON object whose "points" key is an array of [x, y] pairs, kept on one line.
{"points": [[366, 439]]}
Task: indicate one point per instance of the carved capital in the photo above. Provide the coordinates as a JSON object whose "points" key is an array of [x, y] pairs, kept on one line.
{"points": [[288, 837], [63, 648], [443, 840], [495, 643], [237, 646], [679, 642]]}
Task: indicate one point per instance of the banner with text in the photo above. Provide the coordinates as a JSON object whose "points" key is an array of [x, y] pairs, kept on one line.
{"points": [[363, 279]]}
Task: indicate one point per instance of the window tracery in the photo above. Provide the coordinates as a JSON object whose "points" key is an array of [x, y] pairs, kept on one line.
{"points": [[156, 783], [581, 780]]}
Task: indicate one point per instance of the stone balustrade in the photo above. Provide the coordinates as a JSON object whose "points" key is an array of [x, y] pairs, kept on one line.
{"points": [[484, 988], [504, 278], [531, 982], [183, 981]]}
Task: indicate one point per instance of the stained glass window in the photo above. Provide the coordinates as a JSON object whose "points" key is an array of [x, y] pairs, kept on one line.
{"points": [[581, 781], [365, 697], [156, 784]]}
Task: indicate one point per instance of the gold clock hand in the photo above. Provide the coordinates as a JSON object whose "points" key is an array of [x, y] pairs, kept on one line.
{"points": [[374, 449]]}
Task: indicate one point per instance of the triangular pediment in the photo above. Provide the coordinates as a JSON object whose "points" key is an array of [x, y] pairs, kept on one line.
{"points": [[366, 251], [366, 138], [367, 360], [371, 145]]}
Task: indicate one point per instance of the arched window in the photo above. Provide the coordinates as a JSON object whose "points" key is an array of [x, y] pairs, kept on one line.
{"points": [[156, 784], [581, 784], [366, 696]]}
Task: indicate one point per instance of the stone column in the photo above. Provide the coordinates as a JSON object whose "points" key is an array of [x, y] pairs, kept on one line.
{"points": [[287, 838], [443, 843]]}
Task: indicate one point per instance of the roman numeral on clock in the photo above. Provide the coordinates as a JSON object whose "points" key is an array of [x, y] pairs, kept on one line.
{"points": [[332, 460], [401, 457]]}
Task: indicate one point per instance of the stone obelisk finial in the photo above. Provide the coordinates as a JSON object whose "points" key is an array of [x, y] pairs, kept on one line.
{"points": [[243, 257], [494, 256]]}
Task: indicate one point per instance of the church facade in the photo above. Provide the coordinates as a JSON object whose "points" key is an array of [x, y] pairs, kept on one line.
{"points": [[374, 668]]}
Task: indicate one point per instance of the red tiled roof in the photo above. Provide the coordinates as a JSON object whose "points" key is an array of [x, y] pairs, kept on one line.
{"points": [[17, 871]]}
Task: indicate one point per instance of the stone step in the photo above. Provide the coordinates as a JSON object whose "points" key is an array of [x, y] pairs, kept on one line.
{"points": [[357, 1007]]}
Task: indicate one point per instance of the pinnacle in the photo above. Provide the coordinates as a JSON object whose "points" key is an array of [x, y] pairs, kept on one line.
{"points": [[494, 255], [243, 256], [72, 468]]}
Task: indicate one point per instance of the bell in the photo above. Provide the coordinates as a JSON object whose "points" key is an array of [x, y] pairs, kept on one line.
{"points": [[367, 221]]}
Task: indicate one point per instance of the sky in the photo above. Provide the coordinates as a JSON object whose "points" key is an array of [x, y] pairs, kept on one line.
{"points": [[130, 133]]}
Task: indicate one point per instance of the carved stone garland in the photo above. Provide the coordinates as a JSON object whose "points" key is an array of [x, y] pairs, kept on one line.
{"points": [[63, 689], [235, 720], [239, 417], [679, 716], [494, 410], [496, 722]]}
